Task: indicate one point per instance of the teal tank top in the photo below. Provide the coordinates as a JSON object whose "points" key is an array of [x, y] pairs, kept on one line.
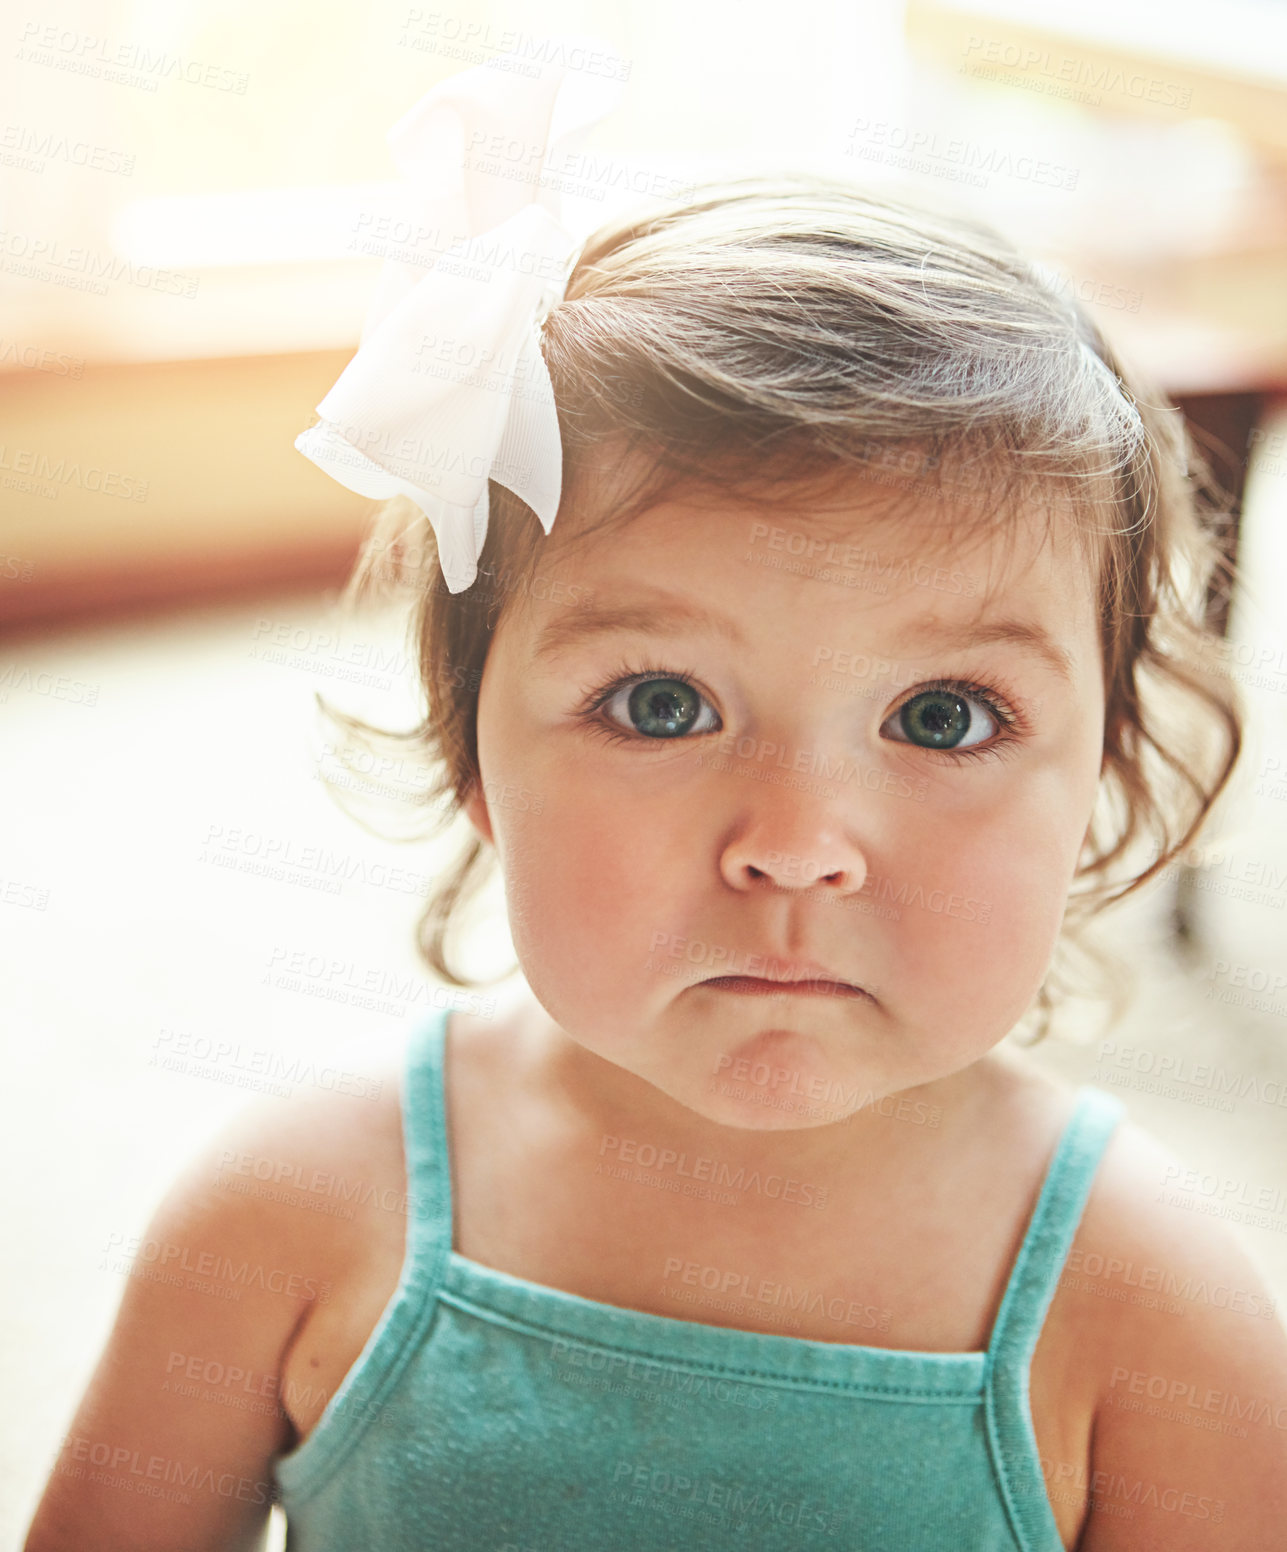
{"points": [[491, 1414]]}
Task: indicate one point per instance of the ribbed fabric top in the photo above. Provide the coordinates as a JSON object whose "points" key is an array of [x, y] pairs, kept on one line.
{"points": [[489, 1412]]}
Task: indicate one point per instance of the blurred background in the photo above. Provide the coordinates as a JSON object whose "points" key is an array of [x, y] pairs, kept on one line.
{"points": [[183, 275]]}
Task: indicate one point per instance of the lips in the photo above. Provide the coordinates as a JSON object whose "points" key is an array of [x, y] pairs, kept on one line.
{"points": [[805, 981]]}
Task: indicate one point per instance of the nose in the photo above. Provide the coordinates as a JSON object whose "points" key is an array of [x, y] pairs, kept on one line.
{"points": [[793, 846]]}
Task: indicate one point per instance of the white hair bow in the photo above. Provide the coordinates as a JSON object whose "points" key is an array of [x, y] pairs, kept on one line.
{"points": [[448, 386]]}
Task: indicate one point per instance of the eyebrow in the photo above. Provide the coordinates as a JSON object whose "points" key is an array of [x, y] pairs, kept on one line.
{"points": [[572, 627], [1020, 633], [645, 619]]}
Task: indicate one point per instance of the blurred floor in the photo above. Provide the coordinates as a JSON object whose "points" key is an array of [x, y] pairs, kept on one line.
{"points": [[172, 762]]}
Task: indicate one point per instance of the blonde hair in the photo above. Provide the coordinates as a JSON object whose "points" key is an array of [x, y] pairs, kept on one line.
{"points": [[773, 329]]}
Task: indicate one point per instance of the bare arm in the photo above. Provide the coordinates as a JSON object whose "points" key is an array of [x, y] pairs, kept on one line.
{"points": [[171, 1447], [1189, 1448]]}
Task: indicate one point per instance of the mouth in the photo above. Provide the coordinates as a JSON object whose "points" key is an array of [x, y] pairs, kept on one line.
{"points": [[804, 986]]}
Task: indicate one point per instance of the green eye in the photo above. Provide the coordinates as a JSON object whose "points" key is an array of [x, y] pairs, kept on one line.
{"points": [[943, 719], [649, 705], [663, 708]]}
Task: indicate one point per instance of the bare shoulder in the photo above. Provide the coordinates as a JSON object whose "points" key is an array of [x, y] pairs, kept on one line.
{"points": [[1189, 1357], [331, 1167], [358, 1160], [298, 1181], [304, 1164]]}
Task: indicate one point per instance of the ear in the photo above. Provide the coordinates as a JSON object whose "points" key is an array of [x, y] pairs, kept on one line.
{"points": [[475, 809]]}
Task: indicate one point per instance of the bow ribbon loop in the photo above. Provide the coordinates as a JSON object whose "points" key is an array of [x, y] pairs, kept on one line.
{"points": [[448, 387]]}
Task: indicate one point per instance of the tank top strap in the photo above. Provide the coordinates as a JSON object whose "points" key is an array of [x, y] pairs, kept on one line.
{"points": [[1060, 1204], [424, 1136]]}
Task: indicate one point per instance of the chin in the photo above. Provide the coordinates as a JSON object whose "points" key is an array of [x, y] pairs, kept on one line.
{"points": [[759, 1110]]}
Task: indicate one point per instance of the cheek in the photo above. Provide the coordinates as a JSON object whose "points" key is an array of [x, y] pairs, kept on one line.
{"points": [[975, 938], [590, 881], [588, 874]]}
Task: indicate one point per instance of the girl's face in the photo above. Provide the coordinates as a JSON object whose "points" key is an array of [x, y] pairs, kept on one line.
{"points": [[826, 742]]}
